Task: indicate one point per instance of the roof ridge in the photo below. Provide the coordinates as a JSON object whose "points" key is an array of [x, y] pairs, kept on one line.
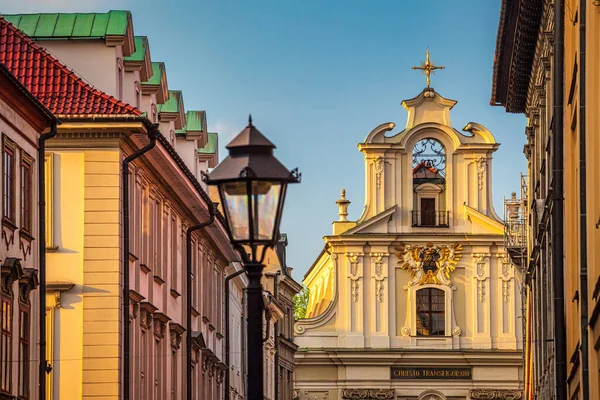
{"points": [[78, 80]]}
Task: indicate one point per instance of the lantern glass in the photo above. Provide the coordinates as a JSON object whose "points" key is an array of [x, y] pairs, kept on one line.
{"points": [[235, 202], [265, 204]]}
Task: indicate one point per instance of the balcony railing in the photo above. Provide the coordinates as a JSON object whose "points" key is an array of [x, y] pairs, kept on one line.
{"points": [[438, 219]]}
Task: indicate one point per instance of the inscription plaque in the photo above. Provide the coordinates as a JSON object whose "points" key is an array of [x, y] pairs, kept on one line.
{"points": [[431, 373]]}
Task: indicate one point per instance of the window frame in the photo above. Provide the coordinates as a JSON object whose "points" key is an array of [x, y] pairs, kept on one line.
{"points": [[9, 192], [6, 329], [24, 349], [26, 222], [430, 311]]}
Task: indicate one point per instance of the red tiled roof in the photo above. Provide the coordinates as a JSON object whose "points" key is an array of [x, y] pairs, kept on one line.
{"points": [[51, 82]]}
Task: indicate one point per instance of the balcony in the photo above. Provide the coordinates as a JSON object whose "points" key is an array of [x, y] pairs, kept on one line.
{"points": [[430, 219]]}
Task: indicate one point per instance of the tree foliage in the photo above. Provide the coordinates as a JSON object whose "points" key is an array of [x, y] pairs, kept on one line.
{"points": [[300, 303]]}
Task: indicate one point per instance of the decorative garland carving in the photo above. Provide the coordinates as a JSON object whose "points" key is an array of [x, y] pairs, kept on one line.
{"points": [[481, 268], [379, 259], [481, 166], [354, 259], [378, 164], [368, 394], [506, 275], [429, 264], [500, 394]]}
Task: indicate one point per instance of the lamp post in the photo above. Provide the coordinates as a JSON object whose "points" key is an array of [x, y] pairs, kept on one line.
{"points": [[252, 185]]}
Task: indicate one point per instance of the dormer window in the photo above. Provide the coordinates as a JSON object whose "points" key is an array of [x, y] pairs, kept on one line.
{"points": [[429, 184]]}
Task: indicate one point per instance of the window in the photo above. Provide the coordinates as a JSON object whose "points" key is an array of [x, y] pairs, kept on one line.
{"points": [[143, 364], [431, 319], [26, 194], [174, 376], [6, 346], [8, 175], [24, 353], [158, 371], [174, 265], [429, 184]]}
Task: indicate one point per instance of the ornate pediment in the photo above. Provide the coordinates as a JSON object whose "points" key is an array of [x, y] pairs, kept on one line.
{"points": [[429, 264], [28, 282], [11, 271]]}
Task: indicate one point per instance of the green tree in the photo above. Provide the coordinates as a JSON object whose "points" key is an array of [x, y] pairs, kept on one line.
{"points": [[300, 303]]}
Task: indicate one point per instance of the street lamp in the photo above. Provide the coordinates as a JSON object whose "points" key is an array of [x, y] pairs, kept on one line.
{"points": [[252, 184]]}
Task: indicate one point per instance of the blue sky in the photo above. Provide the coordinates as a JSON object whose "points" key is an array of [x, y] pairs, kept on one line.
{"points": [[318, 76]]}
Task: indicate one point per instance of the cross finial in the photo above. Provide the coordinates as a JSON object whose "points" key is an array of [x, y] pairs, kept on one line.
{"points": [[428, 68]]}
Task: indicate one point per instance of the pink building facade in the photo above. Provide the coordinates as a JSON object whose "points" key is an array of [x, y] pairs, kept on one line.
{"points": [[22, 120]]}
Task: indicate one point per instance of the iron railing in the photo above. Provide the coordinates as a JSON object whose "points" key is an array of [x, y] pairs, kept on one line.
{"points": [[438, 219]]}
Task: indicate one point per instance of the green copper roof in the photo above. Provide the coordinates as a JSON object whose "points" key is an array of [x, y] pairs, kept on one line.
{"points": [[172, 104], [195, 121], [96, 25], [141, 43], [158, 69], [211, 145]]}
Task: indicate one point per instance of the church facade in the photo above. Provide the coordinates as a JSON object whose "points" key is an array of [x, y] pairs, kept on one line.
{"points": [[417, 299]]}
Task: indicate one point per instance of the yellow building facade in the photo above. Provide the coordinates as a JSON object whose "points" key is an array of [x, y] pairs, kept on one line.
{"points": [[551, 73], [416, 299]]}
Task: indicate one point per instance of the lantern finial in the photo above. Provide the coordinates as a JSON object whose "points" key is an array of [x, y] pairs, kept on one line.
{"points": [[343, 206]]}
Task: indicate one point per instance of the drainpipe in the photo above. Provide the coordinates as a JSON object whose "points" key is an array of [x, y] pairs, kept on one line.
{"points": [[583, 271], [188, 340], [152, 135], [244, 359], [227, 327], [276, 337], [558, 276], [44, 368]]}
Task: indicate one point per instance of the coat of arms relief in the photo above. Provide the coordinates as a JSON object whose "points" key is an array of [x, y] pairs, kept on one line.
{"points": [[429, 264]]}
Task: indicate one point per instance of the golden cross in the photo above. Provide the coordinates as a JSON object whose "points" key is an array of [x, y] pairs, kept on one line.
{"points": [[428, 67]]}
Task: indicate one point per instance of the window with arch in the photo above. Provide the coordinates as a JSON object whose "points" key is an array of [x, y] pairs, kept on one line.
{"points": [[430, 152], [431, 312], [429, 184]]}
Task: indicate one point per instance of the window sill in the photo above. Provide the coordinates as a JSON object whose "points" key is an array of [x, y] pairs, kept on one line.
{"points": [[8, 223], [144, 268], [175, 293], [23, 234], [158, 280]]}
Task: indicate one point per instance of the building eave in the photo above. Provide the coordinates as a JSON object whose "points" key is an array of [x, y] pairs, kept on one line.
{"points": [[518, 30]]}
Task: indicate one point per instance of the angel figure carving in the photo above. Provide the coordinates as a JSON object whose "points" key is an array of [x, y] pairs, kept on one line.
{"points": [[429, 263]]}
